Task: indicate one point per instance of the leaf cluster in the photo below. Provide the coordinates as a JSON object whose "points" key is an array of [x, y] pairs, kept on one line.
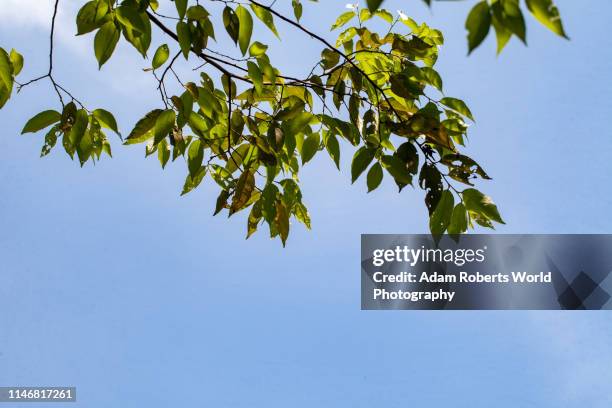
{"points": [[11, 64], [250, 128], [81, 132], [505, 16]]}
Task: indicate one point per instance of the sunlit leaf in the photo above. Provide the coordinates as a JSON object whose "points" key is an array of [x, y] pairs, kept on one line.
{"points": [[246, 28], [481, 205], [41, 121], [375, 177], [266, 17], [161, 56], [106, 119], [361, 160], [547, 13], [478, 24], [105, 42]]}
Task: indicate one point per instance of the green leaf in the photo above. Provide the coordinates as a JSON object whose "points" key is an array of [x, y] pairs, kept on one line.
{"points": [[343, 19], [229, 86], [310, 147], [361, 160], [297, 9], [129, 17], [91, 16], [50, 141], [508, 20], [266, 17], [163, 153], [244, 190], [301, 213], [106, 119], [69, 114], [385, 15], [105, 42], [268, 202], [403, 86], [333, 148], [256, 76], [441, 217], [375, 177], [181, 8], [298, 123], [79, 128], [478, 24], [231, 23], [184, 37], [246, 28], [281, 222], [432, 77], [481, 205], [373, 5], [106, 148], [502, 33], [141, 40], [458, 106], [16, 62], [192, 182], [197, 12], [257, 49], [398, 169], [221, 202], [254, 219], [463, 168], [164, 124], [85, 148], [143, 130], [237, 157], [547, 13], [6, 71], [195, 156], [267, 68], [329, 58], [364, 15], [161, 56], [459, 221], [41, 121]]}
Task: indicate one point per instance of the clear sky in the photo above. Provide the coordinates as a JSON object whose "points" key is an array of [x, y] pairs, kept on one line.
{"points": [[112, 283]]}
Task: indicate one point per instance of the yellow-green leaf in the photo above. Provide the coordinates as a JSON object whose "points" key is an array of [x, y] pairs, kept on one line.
{"points": [[310, 147], [105, 42], [106, 119], [343, 19], [143, 130], [164, 124], [459, 220], [547, 13], [195, 156], [362, 159], [481, 205], [41, 121], [266, 17], [257, 49], [246, 28], [161, 56], [16, 62], [375, 177], [478, 24]]}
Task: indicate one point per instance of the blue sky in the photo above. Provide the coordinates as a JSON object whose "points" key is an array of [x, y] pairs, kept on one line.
{"points": [[112, 283]]}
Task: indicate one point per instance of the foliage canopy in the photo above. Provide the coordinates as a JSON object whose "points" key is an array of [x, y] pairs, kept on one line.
{"points": [[250, 127]]}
